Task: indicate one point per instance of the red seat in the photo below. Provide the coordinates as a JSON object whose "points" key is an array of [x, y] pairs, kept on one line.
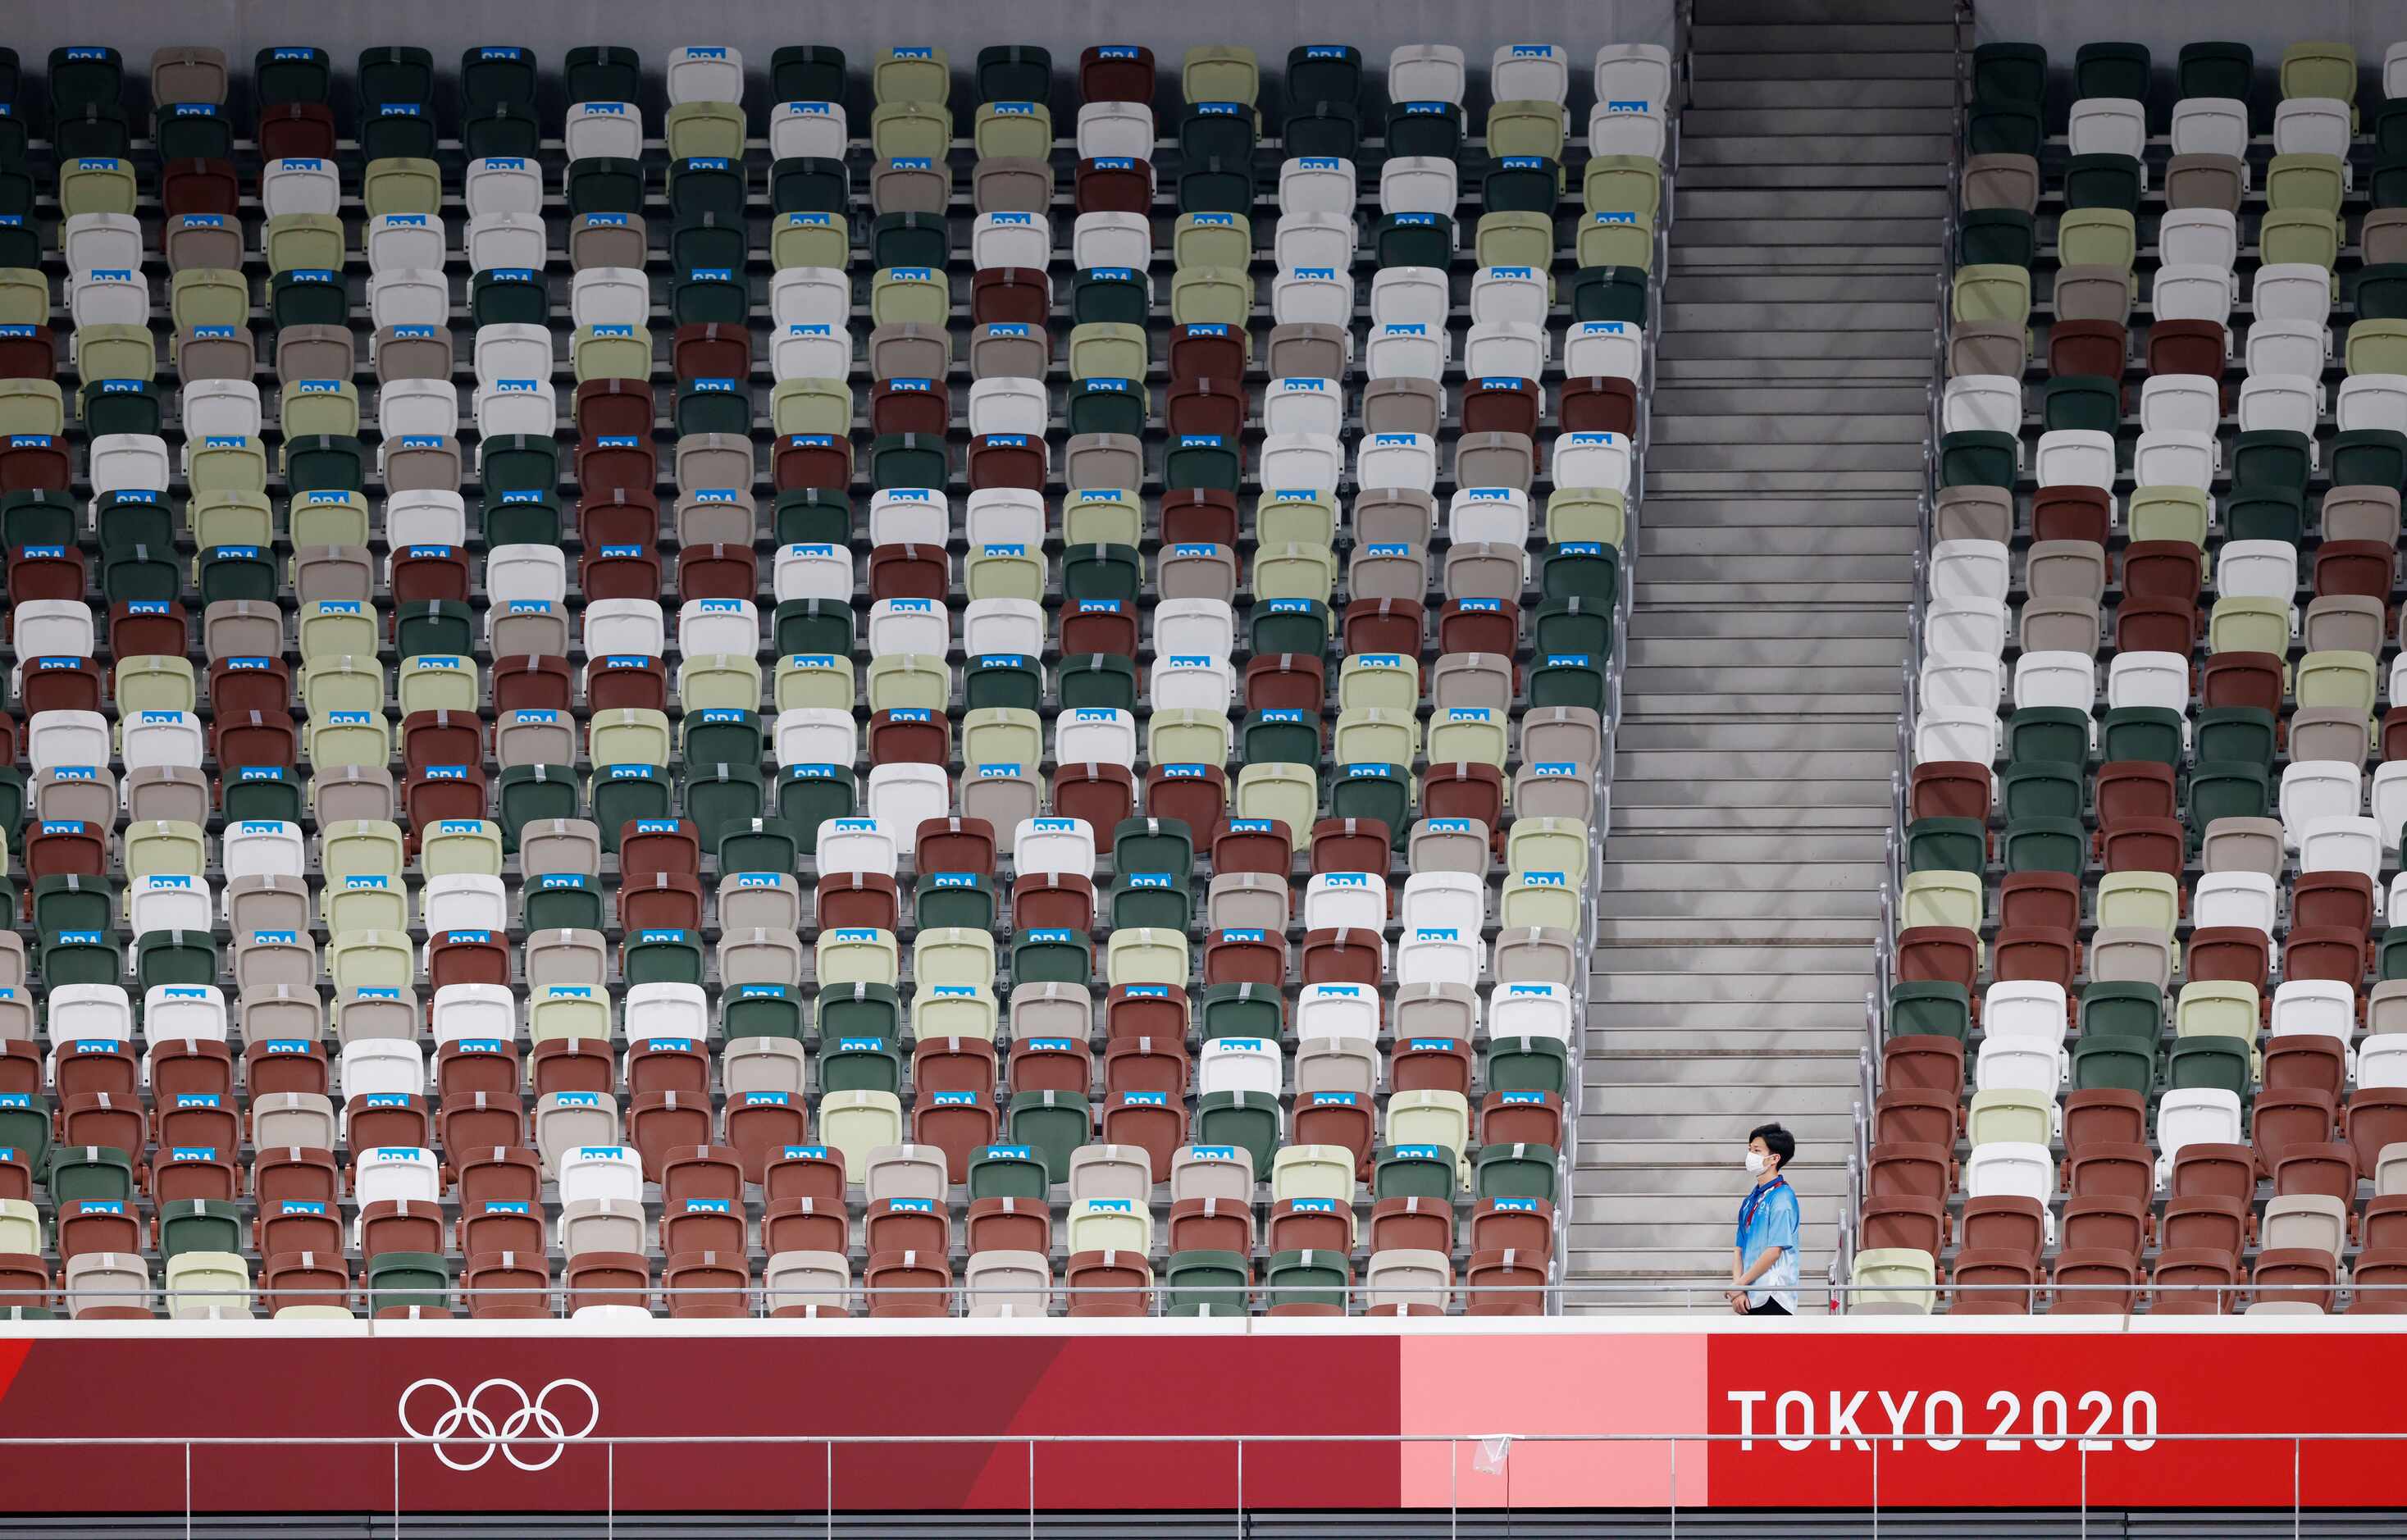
{"points": [[263, 739], [627, 681], [1119, 72], [290, 1173], [530, 683], [1504, 1283], [2104, 1118], [2308, 1061], [660, 845], [1115, 184], [954, 844], [285, 1064], [671, 1064], [40, 572], [813, 459], [1004, 294], [1341, 955], [1052, 901], [2296, 1274], [911, 406], [1246, 957], [661, 1122], [1253, 845], [400, 1224], [315, 1275], [2071, 513], [710, 349], [2324, 952], [1915, 1116], [617, 514], [1286, 682], [1479, 625], [907, 571], [2109, 1223], [208, 186], [659, 901], [1319, 1224], [1986, 1282], [1198, 405], [1340, 1118], [292, 130], [1999, 1223], [65, 848], [959, 1122], [1106, 1283], [707, 1283], [1504, 404], [2032, 955], [2303, 1169], [2143, 845], [2130, 789], [2095, 1283], [180, 1067], [2332, 901], [474, 1120], [765, 1128], [503, 1175], [385, 1119], [2362, 569], [717, 572], [1521, 1224], [1464, 791], [1146, 1010], [1099, 625], [506, 1283], [2376, 1117], [1909, 1169], [468, 957], [613, 408], [1102, 794], [2378, 1282], [432, 793], [1009, 1224], [2088, 348], [63, 684], [611, 465], [1384, 626], [2162, 569], [619, 572], [959, 1064], [608, 1277], [1210, 1224], [1199, 515], [437, 738], [253, 684], [279, 1227], [2040, 899], [2155, 625], [2205, 1170], [907, 1224], [1149, 1120], [1431, 1063], [194, 1173], [910, 734], [804, 1224], [859, 901], [28, 352], [1063, 1064], [424, 572], [1937, 954], [204, 1121], [2242, 679], [1917, 1224], [2102, 1170], [1195, 795], [702, 1224], [2184, 348], [908, 1283], [1350, 845], [2228, 954]]}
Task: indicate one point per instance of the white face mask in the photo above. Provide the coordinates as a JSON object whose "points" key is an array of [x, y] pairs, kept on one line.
{"points": [[1755, 1160]]}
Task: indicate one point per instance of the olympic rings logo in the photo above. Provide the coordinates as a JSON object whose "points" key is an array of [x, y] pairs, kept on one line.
{"points": [[467, 1421]]}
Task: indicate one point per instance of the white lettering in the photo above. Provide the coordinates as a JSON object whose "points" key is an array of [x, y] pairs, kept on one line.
{"points": [[1746, 1400], [1780, 1419], [1843, 1419], [1898, 1411], [1930, 1405]]}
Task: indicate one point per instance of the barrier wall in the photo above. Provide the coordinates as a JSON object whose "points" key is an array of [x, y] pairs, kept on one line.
{"points": [[1821, 1412]]}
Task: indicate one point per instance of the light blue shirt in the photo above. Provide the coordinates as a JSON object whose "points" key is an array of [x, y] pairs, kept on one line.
{"points": [[1769, 1219]]}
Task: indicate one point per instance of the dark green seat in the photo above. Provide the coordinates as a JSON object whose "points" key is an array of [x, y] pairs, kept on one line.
{"points": [[1049, 956], [1425, 128], [1512, 1171], [96, 132], [87, 75], [2141, 733], [712, 405], [1154, 845], [1247, 1120], [1216, 185], [80, 957], [308, 296], [1415, 240], [1947, 845], [524, 516], [1207, 1283], [2006, 236], [12, 802], [1054, 1124], [858, 1063], [805, 516], [2369, 457], [724, 800], [2270, 457], [1568, 679], [2265, 513], [325, 462], [807, 72], [1587, 570], [21, 244], [809, 184], [1098, 681], [1282, 625], [2382, 292], [861, 1010], [722, 734], [1571, 625], [2040, 789], [269, 792], [906, 460], [238, 571], [89, 1174], [1976, 457], [1280, 737], [1225, 129], [2102, 182], [25, 1128], [2210, 1062], [74, 903], [706, 184], [2390, 131], [1107, 406], [604, 184], [1014, 72], [2046, 845], [187, 131], [709, 296], [707, 241], [401, 1281], [2124, 1008], [810, 795], [433, 626], [2389, 181], [2213, 69], [2088, 402], [52, 518], [624, 792], [1016, 1171], [760, 845], [963, 899], [1317, 1280], [391, 73], [1239, 1010], [2003, 128], [503, 129], [140, 574], [175, 957], [16, 190], [2114, 1063], [1521, 184], [603, 73], [398, 131], [2010, 72], [1609, 293], [1004, 680], [566, 901], [1931, 1008], [516, 461], [2110, 69], [509, 297], [910, 240], [1414, 1171], [2220, 788], [2235, 732], [1379, 793], [122, 406], [662, 956], [1156, 899], [199, 1224], [1324, 72], [1325, 128], [2390, 957], [1204, 461], [1526, 1063], [492, 75], [760, 1010], [809, 627]]}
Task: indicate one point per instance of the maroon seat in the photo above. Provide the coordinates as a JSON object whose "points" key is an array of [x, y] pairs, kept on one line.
{"points": [[2194, 1281], [1342, 954], [110, 1119], [2376, 1117], [707, 1283], [573, 1064], [2325, 952], [2071, 513], [1910, 1171], [294, 130], [607, 1278], [660, 1065], [468, 957], [2378, 1282], [106, 1068], [1461, 790], [2155, 625], [291, 1174], [1063, 1064], [1914, 1115], [702, 1224], [254, 684], [1480, 625], [1431, 1063], [1937, 954], [2215, 1170], [907, 571], [2031, 954], [910, 405], [1115, 184], [28, 352], [1102, 794], [619, 572], [2242, 679], [2361, 569], [618, 515], [385, 1119], [1210, 1224], [615, 463], [1928, 1062], [65, 848], [2162, 569], [717, 572], [2047, 901], [208, 186], [1147, 1012], [1149, 1120], [1199, 516], [310, 1275], [1993, 1282], [63, 684], [1504, 1283], [1145, 1063], [660, 845], [1253, 845], [660, 1122], [2314, 1169], [1005, 294], [1118, 72], [959, 1122], [765, 1128], [2088, 348], [802, 1171], [37, 462], [473, 1066], [1195, 795], [1206, 350], [1341, 1117], [1052, 901], [1008, 1224], [710, 349], [531, 683], [1099, 625], [180, 1067], [2230, 954], [908, 1283], [2134, 789], [194, 1173], [907, 1224], [1384, 626], [2332, 901], [2094, 1283], [1198, 404], [615, 408], [958, 1064], [400, 1224], [859, 900], [1958, 789], [1106, 1283], [279, 1227], [1506, 404], [804, 1224], [2296, 1274], [204, 1120], [1351, 845], [506, 1282], [2184, 348], [2107, 1223], [2384, 1223], [1596, 404], [424, 572], [1244, 957], [2104, 1118]]}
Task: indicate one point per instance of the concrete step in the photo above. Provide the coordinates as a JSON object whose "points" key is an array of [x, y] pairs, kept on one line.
{"points": [[1869, 174], [1819, 38], [1925, 152], [1725, 13], [1767, 403], [1778, 990], [1713, 91], [1799, 515], [1893, 431], [1827, 624], [1828, 374], [1703, 126], [1932, 63]]}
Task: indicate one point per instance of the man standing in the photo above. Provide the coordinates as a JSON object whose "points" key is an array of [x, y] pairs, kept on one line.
{"points": [[1763, 1265]]}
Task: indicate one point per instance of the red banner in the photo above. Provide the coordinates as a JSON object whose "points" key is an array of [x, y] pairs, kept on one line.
{"points": [[1409, 1415]]}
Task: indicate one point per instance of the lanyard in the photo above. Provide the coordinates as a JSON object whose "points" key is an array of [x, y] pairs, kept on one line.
{"points": [[1753, 1200]]}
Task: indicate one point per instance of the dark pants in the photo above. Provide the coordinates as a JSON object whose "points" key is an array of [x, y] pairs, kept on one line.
{"points": [[1769, 1307]]}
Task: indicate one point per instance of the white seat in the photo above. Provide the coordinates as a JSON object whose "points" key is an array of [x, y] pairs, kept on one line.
{"points": [[1316, 184], [2292, 290], [2006, 1064], [816, 736], [1426, 71], [1530, 72], [811, 351], [633, 626], [813, 572], [799, 296], [2007, 1168], [90, 241], [176, 1013], [2256, 570], [1593, 460], [503, 350], [1505, 349], [1247, 1064], [505, 238], [381, 1066], [808, 128], [2287, 346], [408, 296], [474, 1012], [1616, 349], [219, 408], [263, 847], [54, 738], [2234, 898], [1313, 240], [162, 738], [1204, 627], [2192, 291], [1308, 460], [1411, 294], [1437, 954], [1005, 516], [2204, 1116], [2313, 789], [616, 130], [2167, 458], [2288, 402], [1982, 404], [1005, 626], [2213, 125], [2076, 457], [406, 240], [1493, 515], [856, 844], [410, 407], [1969, 568], [1514, 295], [1321, 296], [1054, 844], [299, 184], [609, 296], [909, 516], [516, 407], [502, 184], [2389, 800], [393, 1173], [667, 1010], [76, 1013], [1303, 404], [464, 900], [1625, 128], [1635, 72], [2372, 400], [1115, 128], [1003, 404], [1961, 682], [1965, 624], [1446, 900], [1190, 682], [1347, 901], [2191, 404], [1406, 352], [109, 296], [1406, 459], [1011, 239], [2110, 125], [1099, 735], [600, 1171], [2350, 844], [910, 625], [128, 462], [1115, 240], [527, 571], [2382, 1062], [1418, 184], [1337, 1010], [2312, 126], [1957, 735], [2394, 71], [2157, 680], [1531, 1010], [2203, 238], [168, 901], [2058, 679], [2323, 1007], [902, 797], [699, 73], [2025, 1011], [708, 626]]}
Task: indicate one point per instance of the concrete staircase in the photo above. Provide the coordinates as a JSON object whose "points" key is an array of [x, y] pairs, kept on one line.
{"points": [[1751, 797]]}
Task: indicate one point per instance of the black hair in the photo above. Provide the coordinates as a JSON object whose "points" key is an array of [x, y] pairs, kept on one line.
{"points": [[1778, 1140]]}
